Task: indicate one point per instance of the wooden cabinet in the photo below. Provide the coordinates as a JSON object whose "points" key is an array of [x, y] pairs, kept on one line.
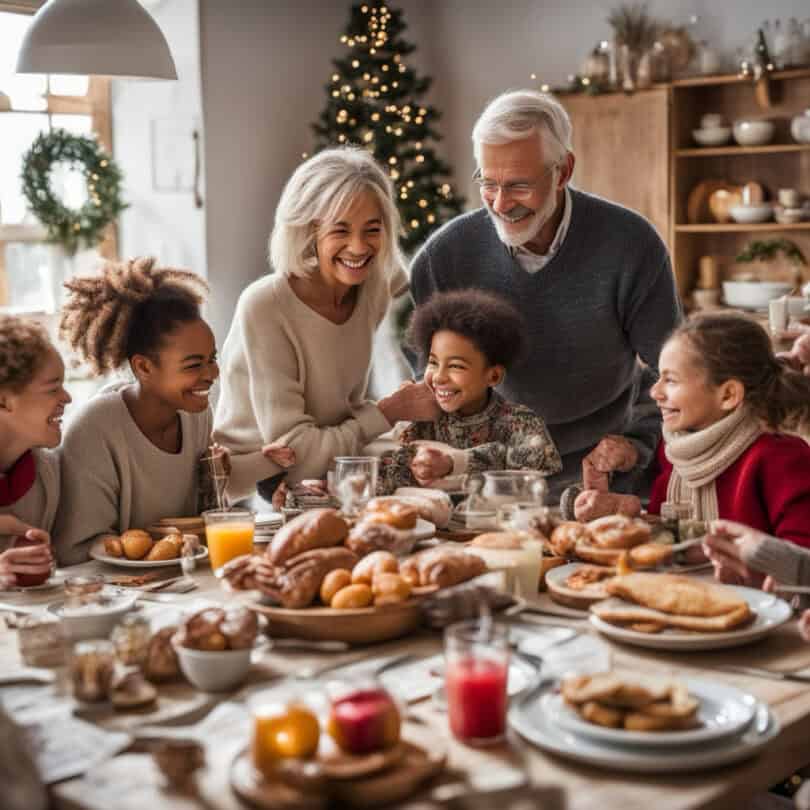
{"points": [[638, 151]]}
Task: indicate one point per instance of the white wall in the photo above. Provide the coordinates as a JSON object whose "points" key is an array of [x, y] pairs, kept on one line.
{"points": [[165, 224], [264, 64]]}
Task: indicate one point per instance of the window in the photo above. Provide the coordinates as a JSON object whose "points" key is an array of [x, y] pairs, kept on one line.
{"points": [[30, 105]]}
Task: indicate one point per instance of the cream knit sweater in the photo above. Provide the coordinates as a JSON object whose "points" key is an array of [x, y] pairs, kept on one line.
{"points": [[290, 375], [114, 478], [37, 507]]}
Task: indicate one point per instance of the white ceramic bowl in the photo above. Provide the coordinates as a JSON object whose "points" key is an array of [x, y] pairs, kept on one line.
{"points": [[214, 671], [748, 214], [753, 132], [788, 216], [91, 622], [712, 136], [753, 294]]}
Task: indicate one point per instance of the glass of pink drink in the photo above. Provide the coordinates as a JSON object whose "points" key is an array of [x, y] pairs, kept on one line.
{"points": [[476, 673]]}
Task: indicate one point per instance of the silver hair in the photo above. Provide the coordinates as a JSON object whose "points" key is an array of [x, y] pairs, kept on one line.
{"points": [[317, 195], [518, 114]]}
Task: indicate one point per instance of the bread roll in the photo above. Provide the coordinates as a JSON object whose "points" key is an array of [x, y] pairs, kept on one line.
{"points": [[113, 546], [432, 504], [352, 596], [161, 659], [392, 512], [565, 537], [333, 582], [164, 549], [136, 544], [317, 528], [366, 537], [240, 627], [390, 589], [378, 562], [618, 532], [442, 567], [500, 540]]}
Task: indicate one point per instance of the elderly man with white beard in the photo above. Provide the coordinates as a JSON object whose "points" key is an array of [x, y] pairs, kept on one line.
{"points": [[592, 279]]}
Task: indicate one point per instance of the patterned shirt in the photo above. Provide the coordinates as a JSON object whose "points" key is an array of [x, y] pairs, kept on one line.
{"points": [[502, 436]]}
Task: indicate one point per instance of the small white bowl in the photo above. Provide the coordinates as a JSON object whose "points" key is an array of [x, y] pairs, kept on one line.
{"points": [[92, 621], [217, 671], [712, 121], [753, 132], [788, 216], [712, 136], [749, 214], [753, 294]]}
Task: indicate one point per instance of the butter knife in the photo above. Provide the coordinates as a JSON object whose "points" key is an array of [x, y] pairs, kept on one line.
{"points": [[760, 672]]}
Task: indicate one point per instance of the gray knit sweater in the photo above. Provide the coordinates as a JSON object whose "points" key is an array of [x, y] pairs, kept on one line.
{"points": [[605, 301]]}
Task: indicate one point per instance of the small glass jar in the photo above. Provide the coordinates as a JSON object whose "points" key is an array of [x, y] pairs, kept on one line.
{"points": [[91, 670], [41, 641], [83, 589], [131, 640]]}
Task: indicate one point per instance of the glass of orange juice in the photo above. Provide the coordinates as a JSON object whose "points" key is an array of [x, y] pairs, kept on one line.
{"points": [[229, 533]]}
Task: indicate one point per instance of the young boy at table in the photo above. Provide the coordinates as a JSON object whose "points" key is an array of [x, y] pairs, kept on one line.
{"points": [[32, 401], [469, 339]]}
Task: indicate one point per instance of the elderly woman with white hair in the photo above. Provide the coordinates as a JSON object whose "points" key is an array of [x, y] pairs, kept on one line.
{"points": [[295, 365], [592, 279]]}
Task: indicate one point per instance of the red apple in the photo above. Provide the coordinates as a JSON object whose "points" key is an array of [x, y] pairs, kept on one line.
{"points": [[364, 721], [27, 580]]}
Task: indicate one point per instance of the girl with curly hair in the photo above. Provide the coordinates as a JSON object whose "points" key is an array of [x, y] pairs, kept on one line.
{"points": [[32, 401], [469, 339], [131, 454]]}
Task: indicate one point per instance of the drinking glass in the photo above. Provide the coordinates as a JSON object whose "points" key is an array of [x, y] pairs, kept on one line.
{"points": [[229, 533], [476, 673], [355, 482]]}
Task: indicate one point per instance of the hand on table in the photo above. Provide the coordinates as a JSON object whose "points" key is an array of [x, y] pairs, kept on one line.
{"points": [[430, 463], [727, 545], [34, 559]]}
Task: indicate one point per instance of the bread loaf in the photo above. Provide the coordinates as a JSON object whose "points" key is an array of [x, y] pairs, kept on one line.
{"points": [[366, 537], [317, 528], [442, 567], [432, 504]]}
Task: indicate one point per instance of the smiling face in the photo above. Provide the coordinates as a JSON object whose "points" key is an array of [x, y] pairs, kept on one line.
{"points": [[33, 415], [460, 374], [528, 190], [347, 248], [687, 398], [185, 370]]}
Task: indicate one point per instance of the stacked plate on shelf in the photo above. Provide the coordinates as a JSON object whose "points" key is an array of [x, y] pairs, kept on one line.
{"points": [[732, 725]]}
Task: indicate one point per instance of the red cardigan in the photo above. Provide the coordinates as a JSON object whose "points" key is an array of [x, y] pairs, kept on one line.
{"points": [[767, 487]]}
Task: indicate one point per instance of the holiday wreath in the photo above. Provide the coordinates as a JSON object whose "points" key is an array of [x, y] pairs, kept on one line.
{"points": [[72, 227]]}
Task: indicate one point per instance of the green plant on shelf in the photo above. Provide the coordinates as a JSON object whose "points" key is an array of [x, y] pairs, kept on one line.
{"points": [[766, 249]]}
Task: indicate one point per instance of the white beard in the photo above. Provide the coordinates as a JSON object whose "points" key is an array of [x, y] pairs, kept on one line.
{"points": [[531, 226]]}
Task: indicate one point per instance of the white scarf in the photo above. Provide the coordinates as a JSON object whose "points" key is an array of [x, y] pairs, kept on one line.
{"points": [[699, 457]]}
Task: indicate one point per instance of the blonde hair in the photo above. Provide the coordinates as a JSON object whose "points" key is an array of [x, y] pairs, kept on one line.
{"points": [[127, 310], [24, 346], [519, 114], [318, 193]]}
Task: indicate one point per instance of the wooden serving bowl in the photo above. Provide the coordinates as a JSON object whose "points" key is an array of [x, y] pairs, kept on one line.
{"points": [[368, 625]]}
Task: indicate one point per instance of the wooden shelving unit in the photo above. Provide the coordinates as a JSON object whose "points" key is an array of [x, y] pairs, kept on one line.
{"points": [[733, 227], [717, 151]]}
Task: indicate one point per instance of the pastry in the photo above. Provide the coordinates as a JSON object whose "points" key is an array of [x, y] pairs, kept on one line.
{"points": [[315, 529], [442, 567], [390, 589], [367, 536], [112, 545], [203, 631], [163, 550], [358, 595], [564, 538], [618, 531], [161, 659], [588, 576], [240, 628], [583, 688], [601, 715], [377, 562], [176, 539], [392, 512], [136, 543], [433, 505], [333, 582], [592, 504], [131, 690]]}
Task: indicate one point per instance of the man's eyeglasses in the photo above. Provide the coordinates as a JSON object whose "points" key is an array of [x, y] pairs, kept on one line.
{"points": [[514, 191]]}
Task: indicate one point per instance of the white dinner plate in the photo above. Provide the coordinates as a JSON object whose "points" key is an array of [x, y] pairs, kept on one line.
{"points": [[54, 581], [723, 711], [530, 719], [97, 552], [771, 612]]}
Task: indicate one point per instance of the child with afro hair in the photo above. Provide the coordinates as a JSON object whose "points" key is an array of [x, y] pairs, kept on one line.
{"points": [[469, 339]]}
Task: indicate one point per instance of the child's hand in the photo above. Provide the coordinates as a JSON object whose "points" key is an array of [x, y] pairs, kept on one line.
{"points": [[282, 455], [613, 453], [430, 463]]}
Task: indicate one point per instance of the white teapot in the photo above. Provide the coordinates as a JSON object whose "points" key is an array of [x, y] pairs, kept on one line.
{"points": [[800, 127]]}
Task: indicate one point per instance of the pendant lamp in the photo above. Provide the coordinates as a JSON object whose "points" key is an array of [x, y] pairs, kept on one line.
{"points": [[96, 38]]}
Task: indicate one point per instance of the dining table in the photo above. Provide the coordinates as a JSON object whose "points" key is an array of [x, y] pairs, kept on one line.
{"points": [[498, 775]]}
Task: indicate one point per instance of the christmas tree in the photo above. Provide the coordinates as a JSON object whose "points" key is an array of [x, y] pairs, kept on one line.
{"points": [[374, 100]]}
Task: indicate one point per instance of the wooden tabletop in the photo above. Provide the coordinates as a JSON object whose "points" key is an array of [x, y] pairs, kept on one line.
{"points": [[584, 787]]}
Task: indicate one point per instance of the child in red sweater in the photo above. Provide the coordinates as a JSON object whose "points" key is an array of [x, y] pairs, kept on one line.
{"points": [[724, 396]]}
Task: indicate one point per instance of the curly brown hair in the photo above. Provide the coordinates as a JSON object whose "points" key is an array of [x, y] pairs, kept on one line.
{"points": [[23, 347], [487, 320], [735, 347], [128, 310]]}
